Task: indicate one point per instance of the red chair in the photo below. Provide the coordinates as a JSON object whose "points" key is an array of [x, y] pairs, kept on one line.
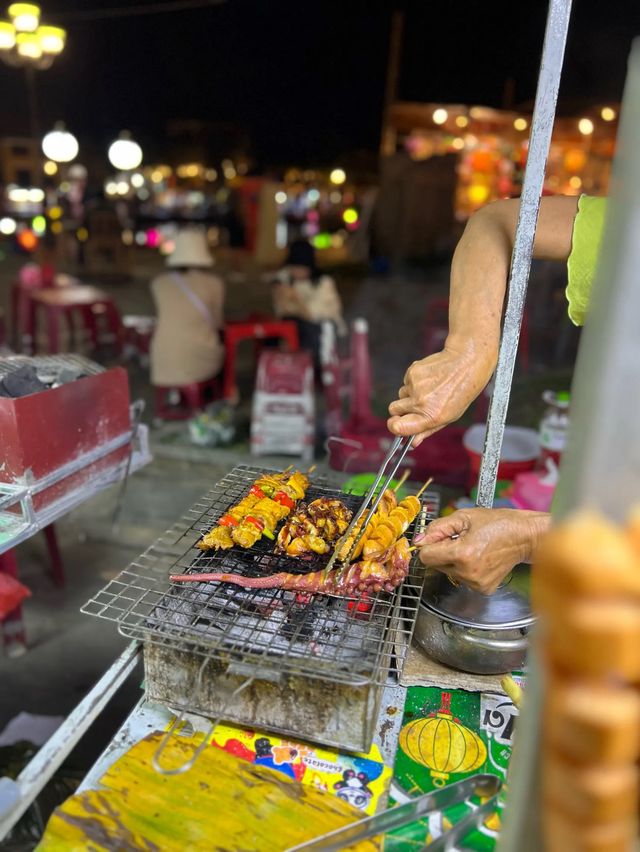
{"points": [[256, 330], [192, 399]]}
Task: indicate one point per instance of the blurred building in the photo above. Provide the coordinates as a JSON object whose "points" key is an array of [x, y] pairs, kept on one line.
{"points": [[20, 161]]}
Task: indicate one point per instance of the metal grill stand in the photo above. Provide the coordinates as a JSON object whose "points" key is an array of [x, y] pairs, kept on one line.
{"points": [[317, 664]]}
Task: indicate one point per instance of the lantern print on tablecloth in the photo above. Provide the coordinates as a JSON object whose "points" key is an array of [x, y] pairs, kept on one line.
{"points": [[443, 744]]}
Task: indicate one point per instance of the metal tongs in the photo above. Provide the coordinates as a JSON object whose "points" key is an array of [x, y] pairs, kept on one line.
{"points": [[485, 786], [392, 461]]}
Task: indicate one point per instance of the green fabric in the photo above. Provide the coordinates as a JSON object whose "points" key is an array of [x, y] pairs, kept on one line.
{"points": [[489, 716], [581, 266]]}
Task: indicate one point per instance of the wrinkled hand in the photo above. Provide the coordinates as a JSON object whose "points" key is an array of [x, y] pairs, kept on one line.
{"points": [[489, 543], [437, 390]]}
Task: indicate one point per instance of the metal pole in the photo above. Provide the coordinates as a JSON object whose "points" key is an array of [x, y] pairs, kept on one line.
{"points": [[34, 119], [601, 465], [388, 135], [41, 768], [541, 128]]}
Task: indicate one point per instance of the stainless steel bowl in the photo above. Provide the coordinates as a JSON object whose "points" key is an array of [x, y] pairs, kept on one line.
{"points": [[482, 634]]}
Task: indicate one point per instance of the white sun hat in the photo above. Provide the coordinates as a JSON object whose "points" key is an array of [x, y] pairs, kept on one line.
{"points": [[191, 249]]}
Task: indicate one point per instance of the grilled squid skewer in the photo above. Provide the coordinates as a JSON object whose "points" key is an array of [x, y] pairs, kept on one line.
{"points": [[366, 576]]}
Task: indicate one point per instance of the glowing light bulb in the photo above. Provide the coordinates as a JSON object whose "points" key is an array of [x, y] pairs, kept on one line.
{"points": [[585, 126], [440, 115], [7, 226]]}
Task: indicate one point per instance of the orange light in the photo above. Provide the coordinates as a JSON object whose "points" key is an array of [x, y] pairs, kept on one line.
{"points": [[27, 240]]}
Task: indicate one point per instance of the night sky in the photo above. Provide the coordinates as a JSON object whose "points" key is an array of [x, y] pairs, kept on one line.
{"points": [[305, 79]]}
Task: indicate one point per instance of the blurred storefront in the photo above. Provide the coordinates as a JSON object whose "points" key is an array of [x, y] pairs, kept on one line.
{"points": [[490, 146]]}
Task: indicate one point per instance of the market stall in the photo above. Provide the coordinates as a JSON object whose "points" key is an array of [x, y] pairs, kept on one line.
{"points": [[252, 610]]}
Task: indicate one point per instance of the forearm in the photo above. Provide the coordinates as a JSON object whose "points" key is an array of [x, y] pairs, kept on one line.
{"points": [[480, 270], [479, 273]]}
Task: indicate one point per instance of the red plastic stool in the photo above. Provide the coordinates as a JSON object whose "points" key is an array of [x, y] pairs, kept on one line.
{"points": [[256, 330], [12, 627], [95, 308], [193, 398]]}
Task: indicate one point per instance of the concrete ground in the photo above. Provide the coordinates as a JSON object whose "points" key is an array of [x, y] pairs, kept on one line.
{"points": [[68, 651]]}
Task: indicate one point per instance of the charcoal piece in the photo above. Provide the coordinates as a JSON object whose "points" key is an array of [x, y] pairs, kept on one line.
{"points": [[22, 382], [298, 624]]}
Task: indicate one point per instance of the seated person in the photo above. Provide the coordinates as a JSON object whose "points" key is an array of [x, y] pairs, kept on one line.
{"points": [[187, 345], [301, 294]]}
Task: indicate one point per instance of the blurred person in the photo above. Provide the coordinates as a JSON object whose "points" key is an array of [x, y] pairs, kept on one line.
{"points": [[187, 345], [480, 546], [302, 294]]}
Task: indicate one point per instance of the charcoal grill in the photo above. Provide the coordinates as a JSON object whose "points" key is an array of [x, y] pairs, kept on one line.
{"points": [[310, 667]]}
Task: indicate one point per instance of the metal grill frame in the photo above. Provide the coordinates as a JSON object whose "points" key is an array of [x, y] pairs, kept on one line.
{"points": [[53, 363], [137, 599]]}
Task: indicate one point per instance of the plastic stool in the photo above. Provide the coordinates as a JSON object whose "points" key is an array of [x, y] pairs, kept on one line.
{"points": [[12, 627], [193, 398]]}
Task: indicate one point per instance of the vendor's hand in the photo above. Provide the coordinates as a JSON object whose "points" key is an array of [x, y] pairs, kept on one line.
{"points": [[489, 543], [437, 390]]}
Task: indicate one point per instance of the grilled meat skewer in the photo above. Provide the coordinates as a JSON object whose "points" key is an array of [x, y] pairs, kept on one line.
{"points": [[388, 529], [313, 528], [270, 500], [366, 576]]}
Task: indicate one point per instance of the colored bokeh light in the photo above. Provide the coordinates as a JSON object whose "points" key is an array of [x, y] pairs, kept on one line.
{"points": [[153, 238], [27, 240]]}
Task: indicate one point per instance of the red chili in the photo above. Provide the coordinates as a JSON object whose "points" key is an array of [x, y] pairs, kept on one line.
{"points": [[257, 523], [257, 492], [228, 521], [283, 498]]}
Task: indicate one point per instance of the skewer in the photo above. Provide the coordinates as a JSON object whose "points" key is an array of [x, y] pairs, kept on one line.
{"points": [[402, 480], [311, 469], [425, 486]]}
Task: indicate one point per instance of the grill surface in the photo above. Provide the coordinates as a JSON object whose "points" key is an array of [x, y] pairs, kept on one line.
{"points": [[337, 639], [50, 364]]}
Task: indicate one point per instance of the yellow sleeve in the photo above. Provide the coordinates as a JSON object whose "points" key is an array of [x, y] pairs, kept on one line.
{"points": [[585, 247]]}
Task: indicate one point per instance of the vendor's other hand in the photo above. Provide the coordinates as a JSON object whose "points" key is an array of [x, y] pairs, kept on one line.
{"points": [[437, 390], [488, 544]]}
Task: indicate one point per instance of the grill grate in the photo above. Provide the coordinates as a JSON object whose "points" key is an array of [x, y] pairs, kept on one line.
{"points": [[331, 638], [50, 364]]}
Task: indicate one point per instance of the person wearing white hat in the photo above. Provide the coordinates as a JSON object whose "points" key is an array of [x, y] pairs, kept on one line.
{"points": [[187, 345]]}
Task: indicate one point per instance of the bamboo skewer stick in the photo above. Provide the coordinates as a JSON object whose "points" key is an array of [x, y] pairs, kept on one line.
{"points": [[425, 486], [402, 480]]}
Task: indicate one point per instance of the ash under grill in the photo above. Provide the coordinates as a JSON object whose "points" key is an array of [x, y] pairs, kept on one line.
{"points": [[283, 633]]}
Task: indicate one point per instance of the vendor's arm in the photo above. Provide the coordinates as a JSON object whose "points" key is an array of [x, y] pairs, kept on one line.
{"points": [[438, 389], [488, 544]]}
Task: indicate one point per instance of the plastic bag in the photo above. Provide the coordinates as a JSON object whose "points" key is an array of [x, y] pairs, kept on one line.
{"points": [[214, 427], [12, 593]]}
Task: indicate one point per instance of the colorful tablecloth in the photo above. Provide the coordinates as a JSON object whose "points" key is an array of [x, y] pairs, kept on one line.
{"points": [[447, 736]]}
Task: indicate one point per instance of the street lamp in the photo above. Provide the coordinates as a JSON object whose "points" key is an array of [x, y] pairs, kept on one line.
{"points": [[26, 43], [125, 154], [59, 145]]}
